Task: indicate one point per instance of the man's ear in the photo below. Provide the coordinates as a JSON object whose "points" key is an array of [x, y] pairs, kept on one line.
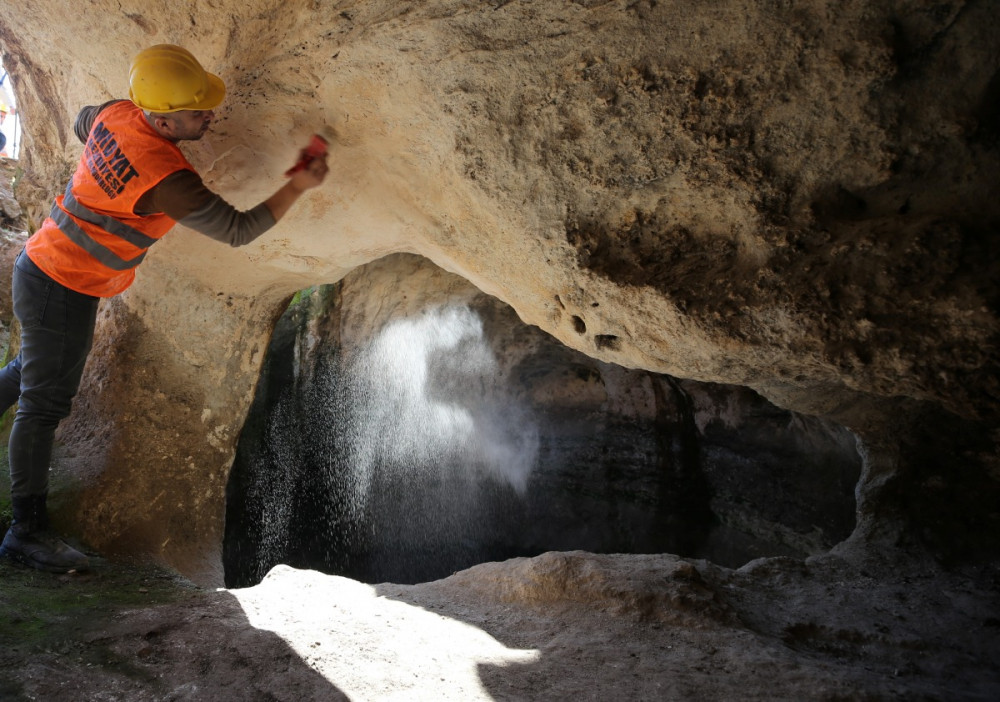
{"points": [[164, 125]]}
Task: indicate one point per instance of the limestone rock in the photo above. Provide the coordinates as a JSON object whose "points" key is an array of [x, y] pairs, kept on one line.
{"points": [[403, 433], [796, 198], [556, 627], [799, 198]]}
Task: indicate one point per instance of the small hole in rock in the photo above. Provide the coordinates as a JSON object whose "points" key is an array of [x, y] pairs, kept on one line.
{"points": [[607, 341]]}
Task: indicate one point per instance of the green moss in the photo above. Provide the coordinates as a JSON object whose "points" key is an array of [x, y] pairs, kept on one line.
{"points": [[67, 614], [297, 297]]}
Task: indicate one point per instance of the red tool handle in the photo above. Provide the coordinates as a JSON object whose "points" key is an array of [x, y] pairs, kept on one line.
{"points": [[316, 149]]}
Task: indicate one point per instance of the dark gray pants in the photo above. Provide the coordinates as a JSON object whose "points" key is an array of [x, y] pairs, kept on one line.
{"points": [[57, 332]]}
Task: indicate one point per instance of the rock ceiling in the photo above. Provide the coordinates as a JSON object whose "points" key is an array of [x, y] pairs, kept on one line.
{"points": [[799, 198]]}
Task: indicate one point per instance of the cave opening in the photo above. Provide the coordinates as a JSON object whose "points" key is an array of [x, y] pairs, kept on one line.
{"points": [[11, 129], [402, 435]]}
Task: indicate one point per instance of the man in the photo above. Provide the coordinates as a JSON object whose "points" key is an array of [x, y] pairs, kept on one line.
{"points": [[131, 186]]}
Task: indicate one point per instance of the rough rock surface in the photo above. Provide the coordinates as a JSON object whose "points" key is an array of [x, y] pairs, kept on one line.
{"points": [[403, 433], [12, 238], [795, 197], [560, 626]]}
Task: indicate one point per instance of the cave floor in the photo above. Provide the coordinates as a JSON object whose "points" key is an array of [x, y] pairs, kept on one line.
{"points": [[559, 626]]}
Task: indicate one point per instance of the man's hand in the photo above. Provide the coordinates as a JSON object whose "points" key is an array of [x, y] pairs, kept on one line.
{"points": [[310, 176]]}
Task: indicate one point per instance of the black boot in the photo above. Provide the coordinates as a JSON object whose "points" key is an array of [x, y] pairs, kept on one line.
{"points": [[28, 541]]}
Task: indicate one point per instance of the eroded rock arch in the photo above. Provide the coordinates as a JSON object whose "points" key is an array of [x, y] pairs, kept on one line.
{"points": [[794, 201]]}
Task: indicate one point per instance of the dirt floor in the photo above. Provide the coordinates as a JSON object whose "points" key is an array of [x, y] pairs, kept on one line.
{"points": [[557, 627]]}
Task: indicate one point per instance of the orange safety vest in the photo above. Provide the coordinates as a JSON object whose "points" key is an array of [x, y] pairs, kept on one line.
{"points": [[92, 240]]}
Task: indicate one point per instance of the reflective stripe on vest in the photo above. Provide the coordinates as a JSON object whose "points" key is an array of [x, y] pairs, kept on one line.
{"points": [[109, 224]]}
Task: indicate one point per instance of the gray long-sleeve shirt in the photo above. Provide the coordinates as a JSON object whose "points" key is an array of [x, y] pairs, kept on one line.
{"points": [[183, 197]]}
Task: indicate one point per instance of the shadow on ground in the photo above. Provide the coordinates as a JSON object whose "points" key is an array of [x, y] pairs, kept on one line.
{"points": [[136, 633]]}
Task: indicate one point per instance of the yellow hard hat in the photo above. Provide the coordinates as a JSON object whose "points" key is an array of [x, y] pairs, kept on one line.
{"points": [[168, 78]]}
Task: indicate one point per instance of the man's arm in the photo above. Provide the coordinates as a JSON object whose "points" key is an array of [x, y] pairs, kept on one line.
{"points": [[184, 197], [85, 119]]}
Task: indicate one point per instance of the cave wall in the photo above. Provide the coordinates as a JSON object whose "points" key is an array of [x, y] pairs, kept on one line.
{"points": [[797, 198], [400, 434]]}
